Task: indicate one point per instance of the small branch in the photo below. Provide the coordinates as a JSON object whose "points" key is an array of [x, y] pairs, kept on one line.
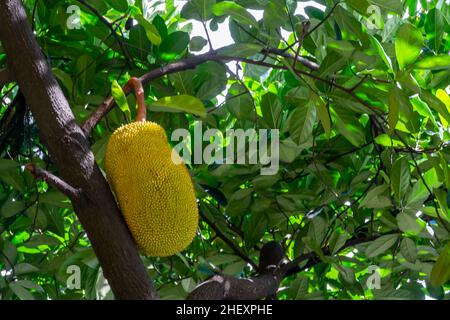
{"points": [[324, 19], [305, 27], [111, 28], [282, 53], [360, 82], [225, 239], [207, 36], [54, 181]]}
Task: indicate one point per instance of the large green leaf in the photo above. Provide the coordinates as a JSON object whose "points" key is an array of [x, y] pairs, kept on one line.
{"points": [[150, 30], [381, 245], [408, 45], [173, 45], [271, 110], [181, 103], [119, 97], [301, 123], [235, 11], [120, 5], [433, 62], [440, 273], [400, 178]]}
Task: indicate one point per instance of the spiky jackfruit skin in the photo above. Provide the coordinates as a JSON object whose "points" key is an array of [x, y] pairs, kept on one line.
{"points": [[156, 195]]}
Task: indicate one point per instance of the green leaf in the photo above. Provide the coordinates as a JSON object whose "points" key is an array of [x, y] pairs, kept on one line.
{"points": [[394, 108], [400, 178], [299, 287], [347, 125], [274, 15], [408, 250], [204, 8], [389, 5], [150, 30], [376, 198], [289, 150], [20, 291], [181, 103], [24, 268], [42, 239], [11, 208], [441, 196], [440, 273], [409, 223], [386, 141], [434, 28], [271, 110], [324, 115], [239, 201], [197, 43], [359, 5], [254, 229], [381, 245], [119, 97], [301, 123], [317, 229], [408, 45], [235, 11], [337, 241], [173, 45], [382, 53], [119, 5], [433, 63], [7, 164], [241, 50], [28, 284], [437, 105]]}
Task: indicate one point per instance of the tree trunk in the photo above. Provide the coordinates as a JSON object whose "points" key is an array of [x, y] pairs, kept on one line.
{"points": [[95, 205]]}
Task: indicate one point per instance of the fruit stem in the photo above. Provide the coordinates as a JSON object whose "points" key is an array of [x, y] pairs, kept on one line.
{"points": [[135, 84]]}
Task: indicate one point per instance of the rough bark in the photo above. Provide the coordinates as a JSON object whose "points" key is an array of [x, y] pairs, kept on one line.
{"points": [[70, 151], [4, 77]]}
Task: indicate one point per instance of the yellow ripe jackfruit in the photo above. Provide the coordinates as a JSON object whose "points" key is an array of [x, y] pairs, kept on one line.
{"points": [[156, 195]]}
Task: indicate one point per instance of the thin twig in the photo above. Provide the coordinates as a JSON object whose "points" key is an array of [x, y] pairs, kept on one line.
{"points": [[225, 239], [110, 27], [324, 19]]}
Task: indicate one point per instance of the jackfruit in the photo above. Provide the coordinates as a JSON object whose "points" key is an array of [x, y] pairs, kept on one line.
{"points": [[154, 193]]}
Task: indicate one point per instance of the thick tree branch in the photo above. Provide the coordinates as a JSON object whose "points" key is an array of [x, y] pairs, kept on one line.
{"points": [[5, 78], [54, 181], [96, 209], [222, 287]]}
